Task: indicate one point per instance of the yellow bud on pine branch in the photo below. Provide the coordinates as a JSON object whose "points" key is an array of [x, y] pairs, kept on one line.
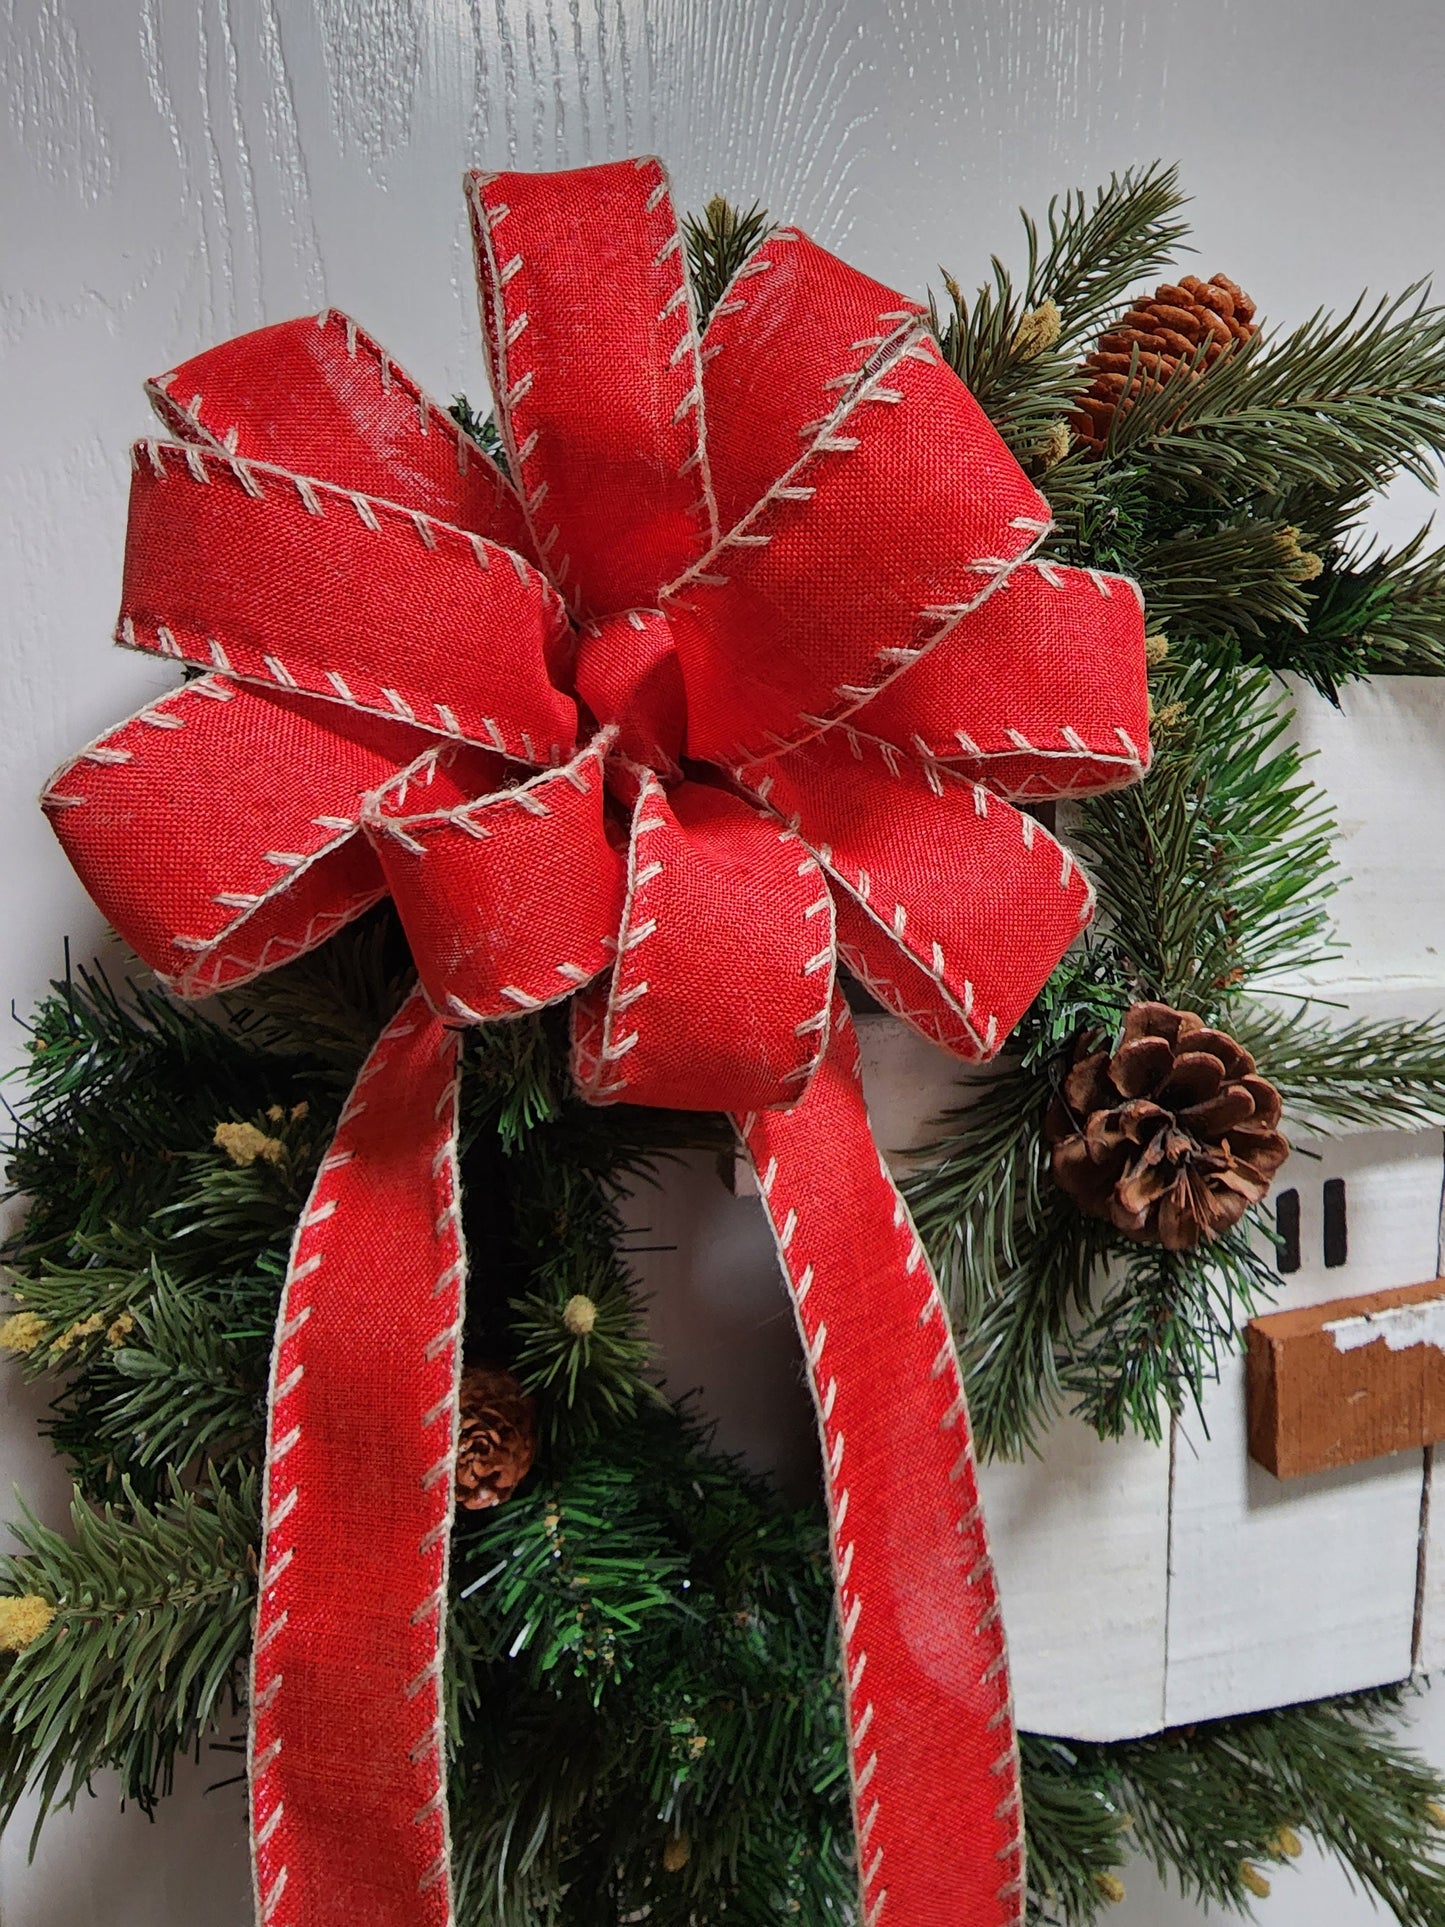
{"points": [[1287, 1843], [1039, 329], [1254, 1880], [1058, 440], [1110, 1886], [677, 1852], [22, 1332], [22, 1620], [579, 1314], [244, 1143], [82, 1328], [1300, 564]]}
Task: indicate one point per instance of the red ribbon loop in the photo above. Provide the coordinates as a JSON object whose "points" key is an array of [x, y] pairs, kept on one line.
{"points": [[719, 997], [798, 553], [509, 896]]}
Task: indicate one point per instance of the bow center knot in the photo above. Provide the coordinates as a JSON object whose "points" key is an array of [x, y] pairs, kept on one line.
{"points": [[628, 674]]}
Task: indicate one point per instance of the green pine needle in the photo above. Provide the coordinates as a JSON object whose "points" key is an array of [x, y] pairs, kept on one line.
{"points": [[718, 242]]}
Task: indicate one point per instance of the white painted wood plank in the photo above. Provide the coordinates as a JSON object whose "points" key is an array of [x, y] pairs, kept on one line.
{"points": [[1283, 1590], [1393, 1185], [1376, 756], [1080, 1538]]}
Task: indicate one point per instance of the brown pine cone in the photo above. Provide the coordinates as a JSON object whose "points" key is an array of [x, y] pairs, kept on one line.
{"points": [[1167, 329], [1171, 1136], [497, 1437]]}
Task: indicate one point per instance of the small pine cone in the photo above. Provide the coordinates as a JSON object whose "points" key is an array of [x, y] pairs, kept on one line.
{"points": [[1167, 328], [497, 1437], [1171, 1136]]}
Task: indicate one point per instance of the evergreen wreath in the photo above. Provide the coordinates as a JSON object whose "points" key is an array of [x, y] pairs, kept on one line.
{"points": [[644, 1712]]}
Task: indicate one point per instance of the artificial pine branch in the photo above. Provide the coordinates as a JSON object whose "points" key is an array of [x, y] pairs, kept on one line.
{"points": [[1039, 1331], [158, 1299], [103, 1076], [1215, 870], [658, 1635], [1353, 1074], [1372, 613], [581, 1344], [1336, 404], [572, 1570], [718, 242], [1208, 1802], [1097, 249], [1016, 348], [1262, 561], [1159, 1330], [186, 1391], [1077, 1836], [152, 1622], [1212, 1805]]}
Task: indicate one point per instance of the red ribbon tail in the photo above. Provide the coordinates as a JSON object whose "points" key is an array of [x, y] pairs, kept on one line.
{"points": [[347, 1746], [932, 1748]]}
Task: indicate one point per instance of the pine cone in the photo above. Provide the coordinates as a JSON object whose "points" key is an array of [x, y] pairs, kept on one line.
{"points": [[1167, 329], [497, 1438], [1171, 1136]]}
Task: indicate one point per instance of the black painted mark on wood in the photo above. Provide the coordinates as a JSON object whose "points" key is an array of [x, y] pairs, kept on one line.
{"points": [[1337, 1239], [1286, 1224]]}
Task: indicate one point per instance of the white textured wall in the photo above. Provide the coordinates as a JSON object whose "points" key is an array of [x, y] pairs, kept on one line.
{"points": [[176, 170]]}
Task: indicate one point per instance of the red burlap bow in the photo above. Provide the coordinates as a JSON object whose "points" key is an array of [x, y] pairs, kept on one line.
{"points": [[758, 608]]}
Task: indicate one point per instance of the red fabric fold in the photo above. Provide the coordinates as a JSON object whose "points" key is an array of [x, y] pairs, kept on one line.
{"points": [[724, 973], [594, 360], [211, 895], [1042, 692], [785, 348], [902, 514], [510, 894]]}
